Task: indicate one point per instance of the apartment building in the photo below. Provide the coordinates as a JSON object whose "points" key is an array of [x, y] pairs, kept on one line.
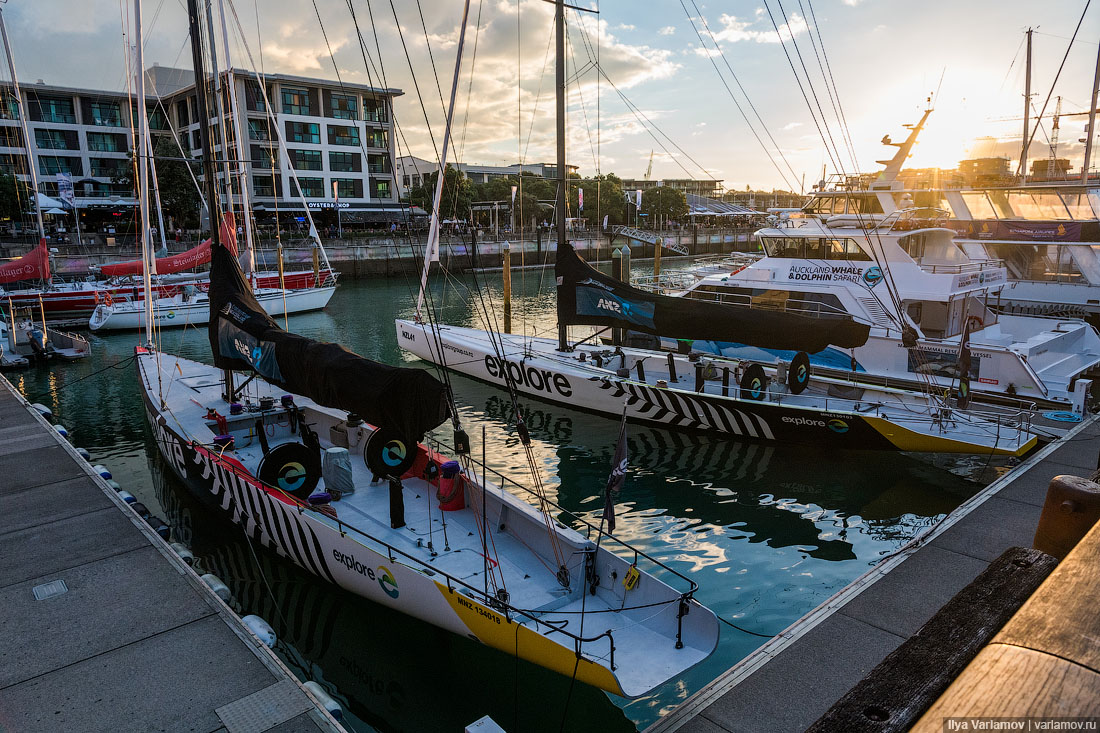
{"points": [[411, 171], [339, 140]]}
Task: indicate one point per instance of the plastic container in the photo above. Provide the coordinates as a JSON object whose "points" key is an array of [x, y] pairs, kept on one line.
{"points": [[450, 494]]}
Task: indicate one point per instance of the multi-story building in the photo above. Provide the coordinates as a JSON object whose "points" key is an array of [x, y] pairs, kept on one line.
{"points": [[411, 171], [708, 188], [339, 140]]}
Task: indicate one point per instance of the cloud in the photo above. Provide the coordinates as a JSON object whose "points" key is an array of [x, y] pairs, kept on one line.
{"points": [[792, 125], [668, 30], [734, 30], [624, 27]]}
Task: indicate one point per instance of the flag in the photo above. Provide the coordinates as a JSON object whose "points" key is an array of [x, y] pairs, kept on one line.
{"points": [[514, 189], [65, 189], [638, 198], [963, 393], [580, 199], [605, 221], [617, 478]]}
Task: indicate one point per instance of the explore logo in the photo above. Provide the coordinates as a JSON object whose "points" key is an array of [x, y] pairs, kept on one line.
{"points": [[387, 583], [383, 575], [838, 426]]}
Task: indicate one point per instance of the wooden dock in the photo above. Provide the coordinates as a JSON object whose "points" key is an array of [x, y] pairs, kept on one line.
{"points": [[104, 627], [793, 679]]}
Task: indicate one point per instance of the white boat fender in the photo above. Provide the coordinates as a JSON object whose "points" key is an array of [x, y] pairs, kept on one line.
{"points": [[127, 497], [262, 629], [84, 454], [221, 590], [62, 430], [42, 409], [325, 699], [181, 549], [160, 527], [114, 485], [102, 471]]}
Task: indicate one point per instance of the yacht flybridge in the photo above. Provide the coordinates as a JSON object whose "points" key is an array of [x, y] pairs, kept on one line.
{"points": [[923, 298], [1047, 233]]}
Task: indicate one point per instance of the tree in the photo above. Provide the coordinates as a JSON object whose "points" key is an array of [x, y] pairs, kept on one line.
{"points": [[178, 196], [457, 194], [13, 197], [664, 203], [603, 196]]}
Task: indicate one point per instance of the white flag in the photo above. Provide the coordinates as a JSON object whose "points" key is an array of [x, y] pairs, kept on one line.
{"points": [[65, 189], [514, 189], [605, 221], [638, 198]]}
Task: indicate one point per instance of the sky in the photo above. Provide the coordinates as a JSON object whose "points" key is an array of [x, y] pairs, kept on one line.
{"points": [[679, 77]]}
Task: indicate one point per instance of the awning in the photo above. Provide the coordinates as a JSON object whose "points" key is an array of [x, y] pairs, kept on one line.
{"points": [[45, 202]]}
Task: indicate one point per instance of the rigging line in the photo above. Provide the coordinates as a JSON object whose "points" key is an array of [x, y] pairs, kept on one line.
{"points": [[737, 104], [538, 97], [576, 79], [833, 98], [1027, 143], [416, 85], [802, 88], [428, 43], [809, 79]]}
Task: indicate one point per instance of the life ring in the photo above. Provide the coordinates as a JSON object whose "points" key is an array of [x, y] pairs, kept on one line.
{"points": [[109, 299], [975, 323], [97, 297]]}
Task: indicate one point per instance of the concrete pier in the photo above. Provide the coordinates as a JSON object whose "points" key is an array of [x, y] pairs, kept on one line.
{"points": [[793, 679], [104, 627]]}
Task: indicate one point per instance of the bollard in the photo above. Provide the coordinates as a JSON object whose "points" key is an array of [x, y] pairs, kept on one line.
{"points": [[506, 256], [1071, 508], [672, 369]]}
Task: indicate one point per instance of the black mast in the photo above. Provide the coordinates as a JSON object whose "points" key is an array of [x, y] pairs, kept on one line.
{"points": [[209, 185], [559, 117]]}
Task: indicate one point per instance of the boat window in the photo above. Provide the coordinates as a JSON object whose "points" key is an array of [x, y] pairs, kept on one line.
{"points": [[835, 249], [855, 252], [914, 310], [825, 205], [1002, 209], [913, 244], [930, 200], [785, 247], [978, 205], [814, 248], [1045, 205], [867, 204], [1078, 205]]}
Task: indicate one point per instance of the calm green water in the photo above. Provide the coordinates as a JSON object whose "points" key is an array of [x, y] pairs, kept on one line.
{"points": [[768, 532]]}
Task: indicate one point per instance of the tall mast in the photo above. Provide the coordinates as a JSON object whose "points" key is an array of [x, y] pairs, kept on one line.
{"points": [[242, 169], [1027, 112], [23, 126], [1089, 136], [431, 251], [559, 118], [141, 152]]}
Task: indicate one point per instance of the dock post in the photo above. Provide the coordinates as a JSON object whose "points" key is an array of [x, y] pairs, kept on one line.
{"points": [[617, 272], [625, 263], [1071, 508], [506, 257], [657, 257], [725, 381]]}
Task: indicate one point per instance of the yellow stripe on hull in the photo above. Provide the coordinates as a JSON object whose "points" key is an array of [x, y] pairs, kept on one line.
{"points": [[908, 440], [493, 629]]}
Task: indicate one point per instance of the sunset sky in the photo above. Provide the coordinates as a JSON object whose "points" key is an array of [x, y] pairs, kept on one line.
{"points": [[886, 57]]}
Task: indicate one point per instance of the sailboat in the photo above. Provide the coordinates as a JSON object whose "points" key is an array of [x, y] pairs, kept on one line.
{"points": [[24, 340], [772, 402], [439, 537]]}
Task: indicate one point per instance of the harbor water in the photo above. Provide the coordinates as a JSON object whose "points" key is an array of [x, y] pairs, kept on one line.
{"points": [[767, 531]]}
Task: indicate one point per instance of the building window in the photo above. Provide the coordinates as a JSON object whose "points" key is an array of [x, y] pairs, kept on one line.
{"points": [[107, 167], [254, 96], [269, 186], [51, 165], [11, 137], [55, 110], [106, 114], [157, 119], [306, 160], [378, 139], [196, 140], [380, 189], [345, 162], [311, 187], [258, 130], [9, 108], [106, 142], [378, 164], [295, 101], [343, 135], [349, 188], [183, 119], [344, 107], [405, 181], [303, 132], [263, 157], [374, 110], [52, 140]]}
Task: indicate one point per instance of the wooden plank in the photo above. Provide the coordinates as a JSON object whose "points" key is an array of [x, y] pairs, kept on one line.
{"points": [[1061, 617], [1009, 681], [909, 680]]}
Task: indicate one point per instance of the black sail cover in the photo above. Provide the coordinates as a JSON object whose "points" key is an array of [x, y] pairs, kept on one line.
{"points": [[588, 297], [244, 337]]}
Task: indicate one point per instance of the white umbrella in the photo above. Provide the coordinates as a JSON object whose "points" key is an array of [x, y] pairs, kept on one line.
{"points": [[45, 202], [55, 211]]}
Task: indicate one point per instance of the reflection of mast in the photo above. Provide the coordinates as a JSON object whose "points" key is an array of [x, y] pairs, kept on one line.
{"points": [[895, 164]]}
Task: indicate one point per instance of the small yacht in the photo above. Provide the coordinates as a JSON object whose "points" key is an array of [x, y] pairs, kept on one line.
{"points": [[923, 298]]}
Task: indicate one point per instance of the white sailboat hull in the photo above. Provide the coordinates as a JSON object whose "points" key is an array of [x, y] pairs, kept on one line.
{"points": [[175, 313]]}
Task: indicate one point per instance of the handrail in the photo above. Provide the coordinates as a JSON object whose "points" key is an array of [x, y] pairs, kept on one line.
{"points": [[489, 601]]}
